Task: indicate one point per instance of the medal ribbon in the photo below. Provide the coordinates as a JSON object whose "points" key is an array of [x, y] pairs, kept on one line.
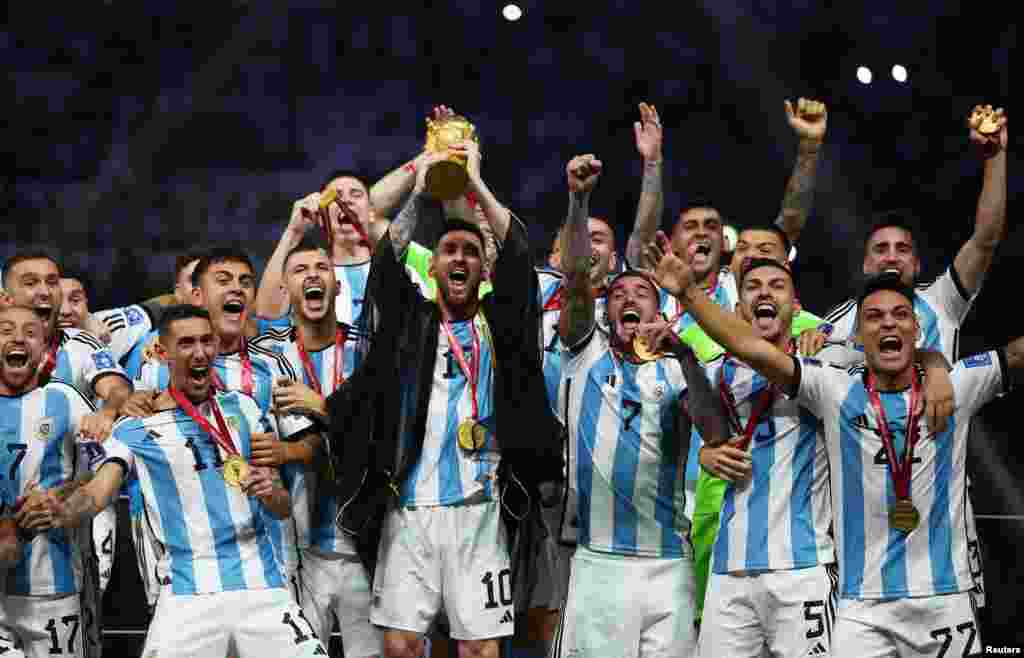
{"points": [[764, 402], [247, 378], [324, 217], [470, 370], [339, 359], [221, 436], [49, 364], [555, 303], [900, 471]]}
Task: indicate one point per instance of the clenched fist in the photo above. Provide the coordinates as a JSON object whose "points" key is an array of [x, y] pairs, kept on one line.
{"points": [[583, 172]]}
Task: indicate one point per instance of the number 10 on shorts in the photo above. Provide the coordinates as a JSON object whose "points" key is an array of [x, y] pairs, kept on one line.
{"points": [[503, 587]]}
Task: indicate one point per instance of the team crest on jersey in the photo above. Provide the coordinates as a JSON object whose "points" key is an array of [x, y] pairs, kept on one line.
{"points": [[45, 429], [103, 360], [133, 315], [659, 391], [978, 360]]}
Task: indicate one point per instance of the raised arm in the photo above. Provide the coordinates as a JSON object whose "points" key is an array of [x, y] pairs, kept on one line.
{"points": [[808, 120], [649, 209], [975, 257], [577, 317], [724, 327], [387, 194], [497, 215], [271, 298]]}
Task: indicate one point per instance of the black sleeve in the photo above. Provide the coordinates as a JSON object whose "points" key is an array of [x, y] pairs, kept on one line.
{"points": [[389, 286], [514, 278]]}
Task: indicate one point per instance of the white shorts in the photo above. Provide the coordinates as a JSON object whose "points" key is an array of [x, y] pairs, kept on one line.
{"points": [[247, 623], [338, 586], [41, 626], [627, 607], [944, 625], [791, 613], [453, 558], [104, 537]]}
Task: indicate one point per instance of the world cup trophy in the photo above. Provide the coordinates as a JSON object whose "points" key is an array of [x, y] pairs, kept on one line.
{"points": [[448, 179]]}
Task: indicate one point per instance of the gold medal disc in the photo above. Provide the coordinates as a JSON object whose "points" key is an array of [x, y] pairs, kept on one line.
{"points": [[643, 351], [472, 435], [235, 470], [989, 125], [904, 516]]}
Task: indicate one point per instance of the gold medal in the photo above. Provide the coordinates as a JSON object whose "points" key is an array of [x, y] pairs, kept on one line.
{"points": [[472, 435], [904, 516], [643, 351], [235, 470], [989, 125]]}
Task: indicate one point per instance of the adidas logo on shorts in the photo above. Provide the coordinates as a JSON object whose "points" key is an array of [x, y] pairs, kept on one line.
{"points": [[818, 650], [507, 618]]}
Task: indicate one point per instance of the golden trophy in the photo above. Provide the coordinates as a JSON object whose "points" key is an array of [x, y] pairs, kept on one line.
{"points": [[448, 179]]}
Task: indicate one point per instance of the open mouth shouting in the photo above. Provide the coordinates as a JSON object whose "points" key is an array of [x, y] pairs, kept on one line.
{"points": [[458, 276], [199, 375], [233, 309], [45, 313], [765, 314], [890, 346], [630, 318], [16, 359], [314, 293]]}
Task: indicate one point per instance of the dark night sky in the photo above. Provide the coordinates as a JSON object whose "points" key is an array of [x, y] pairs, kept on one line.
{"points": [[136, 130]]}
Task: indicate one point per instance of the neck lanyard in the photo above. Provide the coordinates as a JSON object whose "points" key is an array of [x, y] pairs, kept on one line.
{"points": [[220, 435], [49, 364], [763, 403], [469, 369], [339, 359], [900, 471]]}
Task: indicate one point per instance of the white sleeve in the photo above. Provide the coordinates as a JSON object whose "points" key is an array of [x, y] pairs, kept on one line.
{"points": [[821, 385], [842, 321], [79, 406], [149, 377], [585, 352], [841, 354], [948, 295], [127, 326], [288, 425], [90, 360], [113, 450], [977, 380]]}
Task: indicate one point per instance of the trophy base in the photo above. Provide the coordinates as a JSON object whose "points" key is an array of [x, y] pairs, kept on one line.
{"points": [[447, 180]]}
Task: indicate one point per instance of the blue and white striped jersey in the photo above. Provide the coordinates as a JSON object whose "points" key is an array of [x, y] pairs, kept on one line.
{"points": [[215, 537], [626, 456], [445, 473], [82, 359], [779, 519], [131, 332], [38, 430], [315, 510], [725, 294], [941, 307], [877, 561]]}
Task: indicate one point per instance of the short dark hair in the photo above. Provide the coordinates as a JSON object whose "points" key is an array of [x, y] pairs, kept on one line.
{"points": [[701, 201], [889, 219], [787, 246], [34, 253], [309, 242], [455, 224], [751, 264], [639, 274], [346, 173], [886, 281], [171, 314], [183, 260], [79, 276], [219, 255]]}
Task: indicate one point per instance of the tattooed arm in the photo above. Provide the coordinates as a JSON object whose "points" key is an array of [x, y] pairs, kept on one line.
{"points": [[808, 120], [649, 210], [90, 499], [577, 317]]}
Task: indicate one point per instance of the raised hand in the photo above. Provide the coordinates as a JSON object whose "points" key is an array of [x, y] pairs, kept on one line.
{"points": [[808, 119], [296, 398], [304, 213], [648, 133], [583, 172], [672, 273], [988, 129]]}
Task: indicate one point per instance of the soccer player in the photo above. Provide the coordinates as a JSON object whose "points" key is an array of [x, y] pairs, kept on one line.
{"points": [[450, 400], [773, 568], [40, 610], [334, 582], [942, 305], [208, 506], [631, 582], [224, 284], [32, 279], [900, 492]]}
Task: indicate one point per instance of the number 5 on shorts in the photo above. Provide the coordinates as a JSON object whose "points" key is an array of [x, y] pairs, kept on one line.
{"points": [[817, 619]]}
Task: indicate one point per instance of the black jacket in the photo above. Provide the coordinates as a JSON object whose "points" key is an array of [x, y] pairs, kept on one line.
{"points": [[388, 397]]}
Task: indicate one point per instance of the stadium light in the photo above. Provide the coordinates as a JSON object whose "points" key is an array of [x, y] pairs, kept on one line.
{"points": [[864, 74], [512, 12], [899, 73]]}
